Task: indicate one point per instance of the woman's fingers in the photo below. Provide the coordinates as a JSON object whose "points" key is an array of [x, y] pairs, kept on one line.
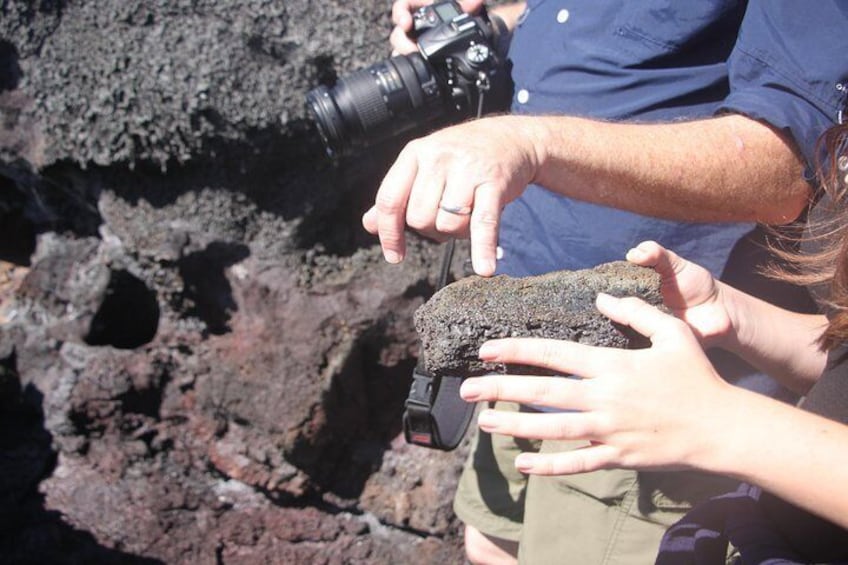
{"points": [[554, 392], [566, 357], [580, 460], [646, 319], [541, 425]]}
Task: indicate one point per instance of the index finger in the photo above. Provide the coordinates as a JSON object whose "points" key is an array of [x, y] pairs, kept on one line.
{"points": [[390, 203], [485, 218], [553, 392], [565, 357]]}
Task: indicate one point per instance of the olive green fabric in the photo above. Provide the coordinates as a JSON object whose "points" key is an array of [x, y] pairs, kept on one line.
{"points": [[613, 517]]}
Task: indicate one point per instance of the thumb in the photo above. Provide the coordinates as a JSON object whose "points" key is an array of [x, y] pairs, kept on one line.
{"points": [[651, 254]]}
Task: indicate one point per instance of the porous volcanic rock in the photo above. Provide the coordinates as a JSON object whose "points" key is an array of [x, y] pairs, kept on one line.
{"points": [[203, 356], [170, 82], [455, 322]]}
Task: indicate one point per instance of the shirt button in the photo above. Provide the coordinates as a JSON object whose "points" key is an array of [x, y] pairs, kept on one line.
{"points": [[563, 15], [523, 96]]}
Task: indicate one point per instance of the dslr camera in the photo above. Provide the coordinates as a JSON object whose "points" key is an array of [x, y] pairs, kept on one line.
{"points": [[460, 71]]}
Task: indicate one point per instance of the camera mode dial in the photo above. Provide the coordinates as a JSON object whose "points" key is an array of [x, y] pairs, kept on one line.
{"points": [[478, 54]]}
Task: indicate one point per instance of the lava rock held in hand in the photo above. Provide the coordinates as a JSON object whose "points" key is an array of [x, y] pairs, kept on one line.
{"points": [[456, 321]]}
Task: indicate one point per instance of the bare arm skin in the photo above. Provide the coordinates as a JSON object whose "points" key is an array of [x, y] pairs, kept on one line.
{"points": [[778, 342], [729, 168]]}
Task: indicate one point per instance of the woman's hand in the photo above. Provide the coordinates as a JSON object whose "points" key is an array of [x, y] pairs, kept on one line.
{"points": [[654, 408], [689, 291]]}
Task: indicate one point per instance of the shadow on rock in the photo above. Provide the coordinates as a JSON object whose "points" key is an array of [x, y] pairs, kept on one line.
{"points": [[31, 533], [207, 288]]}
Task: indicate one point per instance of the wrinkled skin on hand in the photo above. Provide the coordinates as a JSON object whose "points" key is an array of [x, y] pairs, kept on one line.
{"points": [[480, 165]]}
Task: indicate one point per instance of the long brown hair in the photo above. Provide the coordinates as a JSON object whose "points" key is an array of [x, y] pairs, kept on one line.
{"points": [[827, 233]]}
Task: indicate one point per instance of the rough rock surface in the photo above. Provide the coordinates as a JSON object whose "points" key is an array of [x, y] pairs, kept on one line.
{"points": [[203, 357], [455, 322]]}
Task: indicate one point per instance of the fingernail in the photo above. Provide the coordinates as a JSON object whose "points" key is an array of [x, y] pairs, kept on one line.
{"points": [[524, 462], [487, 419], [489, 351], [470, 390], [604, 298], [634, 253], [484, 267], [392, 256]]}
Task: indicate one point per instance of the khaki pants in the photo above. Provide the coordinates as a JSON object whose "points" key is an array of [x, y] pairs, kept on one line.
{"points": [[606, 517]]}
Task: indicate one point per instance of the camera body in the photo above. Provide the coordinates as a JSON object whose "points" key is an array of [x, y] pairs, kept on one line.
{"points": [[460, 70]]}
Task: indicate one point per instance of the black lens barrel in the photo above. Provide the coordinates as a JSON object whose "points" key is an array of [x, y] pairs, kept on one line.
{"points": [[376, 103]]}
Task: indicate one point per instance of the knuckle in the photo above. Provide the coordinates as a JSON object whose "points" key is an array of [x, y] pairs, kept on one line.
{"points": [[546, 467], [449, 227], [497, 388], [604, 424], [413, 146], [390, 241], [396, 37], [542, 390], [565, 429], [484, 220], [418, 219], [549, 355], [387, 204], [578, 463]]}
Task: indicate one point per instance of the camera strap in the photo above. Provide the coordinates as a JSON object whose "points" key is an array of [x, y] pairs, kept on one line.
{"points": [[435, 415]]}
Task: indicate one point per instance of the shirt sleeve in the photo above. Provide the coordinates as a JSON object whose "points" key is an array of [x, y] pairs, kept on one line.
{"points": [[789, 68]]}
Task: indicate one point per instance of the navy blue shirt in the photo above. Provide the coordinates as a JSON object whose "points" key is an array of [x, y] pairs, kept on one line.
{"points": [[780, 61]]}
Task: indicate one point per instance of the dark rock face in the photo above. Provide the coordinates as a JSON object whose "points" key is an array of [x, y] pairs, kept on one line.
{"points": [[203, 358], [459, 318], [167, 82]]}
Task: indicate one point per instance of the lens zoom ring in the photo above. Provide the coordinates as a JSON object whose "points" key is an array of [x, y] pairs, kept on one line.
{"points": [[369, 103]]}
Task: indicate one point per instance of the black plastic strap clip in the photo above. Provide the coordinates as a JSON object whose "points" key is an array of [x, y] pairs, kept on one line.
{"points": [[435, 415]]}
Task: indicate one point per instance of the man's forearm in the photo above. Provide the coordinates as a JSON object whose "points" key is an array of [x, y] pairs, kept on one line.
{"points": [[729, 168]]}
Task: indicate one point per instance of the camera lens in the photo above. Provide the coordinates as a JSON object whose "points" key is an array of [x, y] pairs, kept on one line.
{"points": [[375, 103]]}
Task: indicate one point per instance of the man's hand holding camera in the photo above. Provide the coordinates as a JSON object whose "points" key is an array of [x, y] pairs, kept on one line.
{"points": [[402, 43], [455, 182]]}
